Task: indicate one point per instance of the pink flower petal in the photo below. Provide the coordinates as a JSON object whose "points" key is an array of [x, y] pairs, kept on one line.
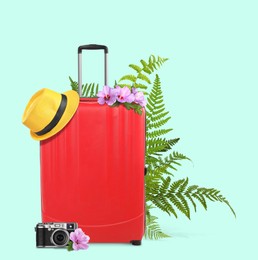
{"points": [[134, 90], [130, 98], [101, 101], [83, 246], [143, 103], [72, 236], [113, 92], [111, 100], [125, 91], [101, 94], [106, 90], [75, 246]]}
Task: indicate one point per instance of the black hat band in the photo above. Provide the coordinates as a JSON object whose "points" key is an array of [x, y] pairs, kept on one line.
{"points": [[57, 117]]}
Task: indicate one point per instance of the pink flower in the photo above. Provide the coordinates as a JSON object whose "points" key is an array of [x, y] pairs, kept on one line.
{"points": [[134, 90], [80, 240], [124, 95], [139, 97], [107, 95]]}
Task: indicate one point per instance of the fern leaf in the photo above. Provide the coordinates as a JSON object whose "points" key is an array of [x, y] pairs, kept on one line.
{"points": [[158, 123], [201, 199], [140, 86], [183, 186], [175, 201], [131, 78], [144, 78], [191, 188], [189, 197], [184, 204], [165, 184], [124, 85], [87, 89], [155, 148], [170, 144], [144, 63], [160, 115], [159, 203], [180, 156], [97, 90], [135, 67], [73, 84], [167, 206], [92, 90], [176, 185], [84, 88], [153, 230], [147, 70], [227, 203], [157, 133]]}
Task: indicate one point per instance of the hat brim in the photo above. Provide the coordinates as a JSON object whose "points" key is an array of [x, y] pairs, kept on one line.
{"points": [[71, 107]]}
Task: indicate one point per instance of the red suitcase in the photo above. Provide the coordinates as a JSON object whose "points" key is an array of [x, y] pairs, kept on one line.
{"points": [[92, 172]]}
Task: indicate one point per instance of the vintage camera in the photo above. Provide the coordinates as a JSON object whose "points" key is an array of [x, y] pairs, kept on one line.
{"points": [[54, 234]]}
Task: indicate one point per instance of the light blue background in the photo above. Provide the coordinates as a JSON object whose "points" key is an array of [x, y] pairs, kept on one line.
{"points": [[210, 84]]}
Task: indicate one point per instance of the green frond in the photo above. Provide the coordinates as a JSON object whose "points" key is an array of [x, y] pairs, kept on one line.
{"points": [[124, 85], [144, 63], [183, 186], [147, 70], [177, 202], [73, 84], [85, 89], [156, 117], [161, 203], [143, 69], [170, 144], [189, 197], [165, 184], [154, 146], [227, 203], [161, 161], [180, 156], [153, 230], [144, 78], [135, 67], [160, 115], [157, 133], [158, 123], [140, 86], [191, 188], [175, 186], [136, 107], [131, 78], [184, 204], [88, 90], [201, 199]]}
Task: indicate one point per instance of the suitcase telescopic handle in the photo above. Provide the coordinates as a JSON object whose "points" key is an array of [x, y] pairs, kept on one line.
{"points": [[91, 47]]}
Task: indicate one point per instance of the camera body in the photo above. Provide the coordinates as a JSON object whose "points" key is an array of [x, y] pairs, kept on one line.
{"points": [[54, 234]]}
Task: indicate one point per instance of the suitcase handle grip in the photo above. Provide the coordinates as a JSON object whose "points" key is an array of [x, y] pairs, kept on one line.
{"points": [[91, 47]]}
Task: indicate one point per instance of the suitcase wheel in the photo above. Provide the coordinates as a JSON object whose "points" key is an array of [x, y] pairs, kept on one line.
{"points": [[136, 242]]}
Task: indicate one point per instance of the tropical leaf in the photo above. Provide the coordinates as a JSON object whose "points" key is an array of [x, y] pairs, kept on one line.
{"points": [[153, 230], [161, 191]]}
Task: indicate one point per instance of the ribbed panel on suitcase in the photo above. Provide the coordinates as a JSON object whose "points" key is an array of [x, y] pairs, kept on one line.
{"points": [[92, 173]]}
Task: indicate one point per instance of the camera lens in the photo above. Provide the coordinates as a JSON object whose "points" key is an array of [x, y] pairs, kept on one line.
{"points": [[60, 237]]}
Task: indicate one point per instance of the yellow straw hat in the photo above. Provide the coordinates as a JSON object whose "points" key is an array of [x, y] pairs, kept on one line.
{"points": [[48, 112]]}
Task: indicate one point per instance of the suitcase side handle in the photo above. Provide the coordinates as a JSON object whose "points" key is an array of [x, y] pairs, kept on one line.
{"points": [[91, 47]]}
